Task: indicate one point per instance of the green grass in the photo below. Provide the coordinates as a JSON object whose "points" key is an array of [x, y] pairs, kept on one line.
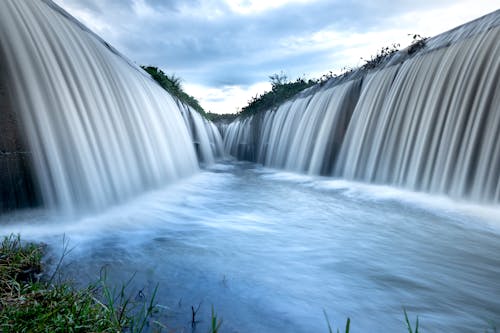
{"points": [[172, 84], [330, 330], [215, 323], [18, 263], [28, 304], [408, 324]]}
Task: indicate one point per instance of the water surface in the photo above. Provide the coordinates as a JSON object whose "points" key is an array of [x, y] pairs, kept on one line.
{"points": [[272, 250]]}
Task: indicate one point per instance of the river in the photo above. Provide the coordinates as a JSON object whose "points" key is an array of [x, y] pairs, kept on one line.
{"points": [[272, 251]]}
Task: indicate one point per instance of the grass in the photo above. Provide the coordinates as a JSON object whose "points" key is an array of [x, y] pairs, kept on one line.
{"points": [[30, 304], [408, 324], [172, 84], [330, 330], [215, 323]]}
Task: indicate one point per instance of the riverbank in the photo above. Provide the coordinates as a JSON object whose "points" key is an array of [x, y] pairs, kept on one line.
{"points": [[31, 300]]}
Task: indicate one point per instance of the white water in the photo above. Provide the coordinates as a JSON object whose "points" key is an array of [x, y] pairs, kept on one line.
{"points": [[100, 130], [428, 121], [205, 135], [271, 250]]}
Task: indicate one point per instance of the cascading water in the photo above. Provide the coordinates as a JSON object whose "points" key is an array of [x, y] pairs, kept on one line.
{"points": [[447, 140], [427, 120], [98, 128], [270, 251], [205, 135]]}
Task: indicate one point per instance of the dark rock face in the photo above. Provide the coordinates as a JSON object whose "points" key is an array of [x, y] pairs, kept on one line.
{"points": [[17, 187]]}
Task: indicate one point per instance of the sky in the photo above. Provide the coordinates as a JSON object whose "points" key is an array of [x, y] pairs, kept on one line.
{"points": [[225, 50]]}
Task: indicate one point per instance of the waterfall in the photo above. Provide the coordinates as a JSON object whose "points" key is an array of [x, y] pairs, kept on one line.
{"points": [[206, 136], [99, 130], [427, 121]]}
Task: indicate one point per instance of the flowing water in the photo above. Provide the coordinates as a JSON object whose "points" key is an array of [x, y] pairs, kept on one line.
{"points": [[271, 250], [428, 120], [98, 128]]}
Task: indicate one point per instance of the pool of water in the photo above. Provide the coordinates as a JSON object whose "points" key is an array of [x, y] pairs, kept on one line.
{"points": [[273, 251]]}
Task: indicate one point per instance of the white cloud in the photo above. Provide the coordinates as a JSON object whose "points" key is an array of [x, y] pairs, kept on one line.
{"points": [[144, 11], [87, 17], [228, 99], [434, 21], [255, 6], [219, 47]]}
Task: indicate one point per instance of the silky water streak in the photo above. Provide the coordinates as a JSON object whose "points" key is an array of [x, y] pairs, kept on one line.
{"points": [[99, 129], [427, 120]]}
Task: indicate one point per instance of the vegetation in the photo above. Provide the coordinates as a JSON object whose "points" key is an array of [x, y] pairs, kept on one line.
{"points": [[330, 330], [29, 304], [408, 324], [418, 42], [172, 84], [225, 118], [215, 323], [282, 89], [384, 54]]}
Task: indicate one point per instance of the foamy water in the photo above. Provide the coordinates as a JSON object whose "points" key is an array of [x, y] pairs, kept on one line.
{"points": [[271, 250]]}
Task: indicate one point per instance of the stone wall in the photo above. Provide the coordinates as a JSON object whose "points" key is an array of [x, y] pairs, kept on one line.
{"points": [[17, 188]]}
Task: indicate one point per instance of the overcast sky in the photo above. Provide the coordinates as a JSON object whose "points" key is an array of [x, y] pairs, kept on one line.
{"points": [[225, 50]]}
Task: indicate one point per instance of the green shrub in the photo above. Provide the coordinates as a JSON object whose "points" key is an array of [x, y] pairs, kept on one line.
{"points": [[172, 84]]}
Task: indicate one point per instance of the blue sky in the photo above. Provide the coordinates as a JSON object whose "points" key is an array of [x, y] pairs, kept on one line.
{"points": [[224, 50]]}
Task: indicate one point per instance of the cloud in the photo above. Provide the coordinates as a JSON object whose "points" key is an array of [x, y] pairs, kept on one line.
{"points": [[229, 98], [217, 44]]}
